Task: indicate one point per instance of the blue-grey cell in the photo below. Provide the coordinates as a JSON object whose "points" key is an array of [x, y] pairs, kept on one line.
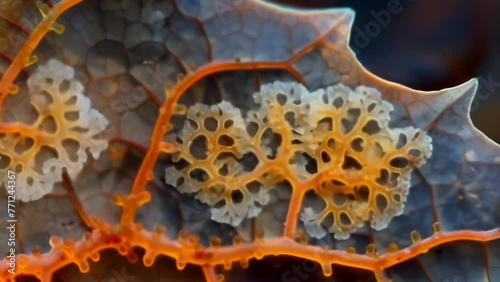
{"points": [[189, 7], [75, 46], [137, 33], [478, 177], [217, 28], [463, 261], [107, 58], [399, 117], [153, 74], [131, 10], [458, 209], [447, 158], [115, 26], [187, 42], [212, 9], [147, 52], [111, 5], [270, 46], [312, 68], [250, 24], [493, 254], [236, 46], [302, 34], [408, 271]]}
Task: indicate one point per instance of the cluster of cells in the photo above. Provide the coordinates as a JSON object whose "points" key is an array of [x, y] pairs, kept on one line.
{"points": [[64, 130], [335, 142]]}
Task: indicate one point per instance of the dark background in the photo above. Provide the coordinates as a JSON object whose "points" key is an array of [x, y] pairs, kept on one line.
{"points": [[432, 45]]}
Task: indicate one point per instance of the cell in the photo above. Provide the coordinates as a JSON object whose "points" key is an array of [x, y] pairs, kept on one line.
{"points": [[213, 133]]}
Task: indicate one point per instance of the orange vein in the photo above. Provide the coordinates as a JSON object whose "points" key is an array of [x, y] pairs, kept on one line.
{"points": [[135, 199], [42, 266], [31, 43]]}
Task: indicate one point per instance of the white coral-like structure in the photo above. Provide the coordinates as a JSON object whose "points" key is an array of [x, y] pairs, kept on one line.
{"points": [[335, 141], [213, 142], [66, 130], [364, 164]]}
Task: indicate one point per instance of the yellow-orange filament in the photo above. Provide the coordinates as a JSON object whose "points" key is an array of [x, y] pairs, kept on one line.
{"points": [[336, 142]]}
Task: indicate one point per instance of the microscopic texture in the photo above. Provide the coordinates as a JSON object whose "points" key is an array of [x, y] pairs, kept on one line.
{"points": [[184, 140], [64, 129]]}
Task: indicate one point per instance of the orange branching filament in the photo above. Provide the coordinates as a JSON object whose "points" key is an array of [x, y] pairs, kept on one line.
{"points": [[363, 165], [336, 142], [64, 128]]}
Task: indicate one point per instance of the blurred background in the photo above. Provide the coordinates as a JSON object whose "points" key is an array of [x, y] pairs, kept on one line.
{"points": [[430, 45]]}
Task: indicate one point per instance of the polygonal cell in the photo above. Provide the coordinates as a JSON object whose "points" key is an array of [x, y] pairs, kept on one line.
{"points": [[336, 141], [107, 58], [213, 159]]}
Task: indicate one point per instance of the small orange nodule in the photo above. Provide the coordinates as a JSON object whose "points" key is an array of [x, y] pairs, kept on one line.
{"points": [[327, 269], [55, 241], [141, 198], [237, 240], [167, 147], [259, 234], [415, 237], [58, 28], [13, 89], [244, 262], [95, 257], [351, 250], [392, 247], [181, 263], [437, 227], [43, 8], [193, 239], [30, 60], [219, 277], [150, 176], [180, 109], [132, 256], [160, 230], [215, 242], [36, 251], [22, 261], [123, 249], [149, 258], [370, 250], [119, 200], [83, 265]]}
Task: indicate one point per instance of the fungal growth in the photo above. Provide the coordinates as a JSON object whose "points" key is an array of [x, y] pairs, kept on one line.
{"points": [[362, 166], [335, 141], [66, 128]]}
